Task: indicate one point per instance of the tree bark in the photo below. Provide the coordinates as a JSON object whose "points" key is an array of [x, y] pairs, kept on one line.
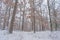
{"points": [[23, 17], [49, 15], [13, 17], [32, 14], [5, 18], [8, 17]]}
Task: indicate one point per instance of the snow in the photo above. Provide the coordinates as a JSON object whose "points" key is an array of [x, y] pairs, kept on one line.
{"points": [[20, 35]]}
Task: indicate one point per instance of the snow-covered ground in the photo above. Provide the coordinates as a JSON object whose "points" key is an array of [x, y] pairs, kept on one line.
{"points": [[19, 35]]}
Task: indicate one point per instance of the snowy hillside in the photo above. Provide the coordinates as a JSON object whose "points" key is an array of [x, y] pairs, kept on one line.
{"points": [[18, 35]]}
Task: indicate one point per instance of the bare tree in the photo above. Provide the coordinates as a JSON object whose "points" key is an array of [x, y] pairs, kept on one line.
{"points": [[5, 16], [54, 14], [20, 18], [23, 16], [8, 16], [33, 14], [13, 17], [49, 14]]}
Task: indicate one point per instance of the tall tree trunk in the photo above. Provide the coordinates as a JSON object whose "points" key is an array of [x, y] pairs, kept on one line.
{"points": [[20, 18], [23, 17], [8, 17], [23, 21], [49, 15], [5, 18], [13, 17], [42, 20], [33, 14], [55, 20], [54, 14]]}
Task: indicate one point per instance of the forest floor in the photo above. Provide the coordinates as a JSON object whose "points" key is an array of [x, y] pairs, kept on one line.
{"points": [[19, 35]]}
